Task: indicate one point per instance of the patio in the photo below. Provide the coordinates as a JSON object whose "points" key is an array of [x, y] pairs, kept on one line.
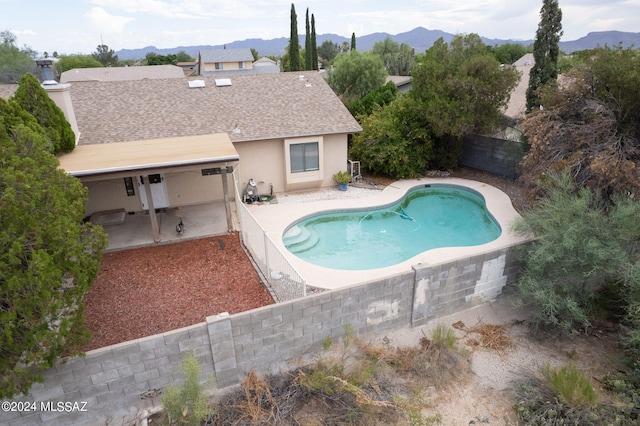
{"points": [[201, 220]]}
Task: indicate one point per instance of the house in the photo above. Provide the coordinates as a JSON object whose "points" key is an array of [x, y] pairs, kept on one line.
{"points": [[188, 68], [217, 61], [121, 73], [152, 145], [265, 65]]}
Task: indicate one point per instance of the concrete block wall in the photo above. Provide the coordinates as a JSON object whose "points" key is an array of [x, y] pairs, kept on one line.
{"points": [[113, 384], [119, 381], [272, 338], [450, 287]]}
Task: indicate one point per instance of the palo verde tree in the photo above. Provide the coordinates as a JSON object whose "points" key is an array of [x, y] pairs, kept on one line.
{"points": [[35, 100], [294, 44], [355, 74], [48, 256], [14, 62], [590, 126], [69, 62], [546, 50], [582, 244]]}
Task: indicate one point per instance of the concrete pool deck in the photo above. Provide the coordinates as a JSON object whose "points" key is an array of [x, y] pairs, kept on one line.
{"points": [[275, 218]]}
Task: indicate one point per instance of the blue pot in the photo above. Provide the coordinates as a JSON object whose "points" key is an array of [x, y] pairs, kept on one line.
{"points": [[342, 186]]}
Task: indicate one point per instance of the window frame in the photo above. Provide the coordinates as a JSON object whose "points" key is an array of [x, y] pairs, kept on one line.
{"points": [[306, 147]]}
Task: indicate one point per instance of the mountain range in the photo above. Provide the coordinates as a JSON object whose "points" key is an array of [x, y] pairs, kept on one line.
{"points": [[419, 38]]}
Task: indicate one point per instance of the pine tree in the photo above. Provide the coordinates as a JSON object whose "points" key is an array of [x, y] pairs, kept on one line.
{"points": [[294, 44], [545, 51], [35, 100], [314, 45], [48, 255], [353, 41], [307, 45]]}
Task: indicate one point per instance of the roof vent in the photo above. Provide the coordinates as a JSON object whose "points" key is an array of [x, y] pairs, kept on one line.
{"points": [[194, 84], [220, 82]]}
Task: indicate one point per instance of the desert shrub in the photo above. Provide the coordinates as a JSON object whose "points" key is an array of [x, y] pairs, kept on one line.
{"points": [[187, 405], [569, 385], [581, 245], [444, 336], [565, 396]]}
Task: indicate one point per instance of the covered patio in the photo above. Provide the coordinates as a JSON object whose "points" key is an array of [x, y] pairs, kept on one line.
{"points": [[192, 174], [200, 220]]}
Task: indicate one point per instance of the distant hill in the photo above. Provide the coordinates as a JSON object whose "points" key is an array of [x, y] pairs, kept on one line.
{"points": [[419, 38]]}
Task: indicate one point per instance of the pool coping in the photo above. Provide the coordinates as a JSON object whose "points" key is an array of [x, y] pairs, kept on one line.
{"points": [[276, 218]]}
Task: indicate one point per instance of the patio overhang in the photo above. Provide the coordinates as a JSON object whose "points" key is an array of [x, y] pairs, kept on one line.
{"points": [[118, 157]]}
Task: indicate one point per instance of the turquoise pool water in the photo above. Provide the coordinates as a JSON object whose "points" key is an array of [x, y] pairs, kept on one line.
{"points": [[428, 217]]}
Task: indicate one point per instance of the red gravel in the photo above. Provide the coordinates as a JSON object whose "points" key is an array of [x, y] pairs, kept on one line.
{"points": [[146, 291]]}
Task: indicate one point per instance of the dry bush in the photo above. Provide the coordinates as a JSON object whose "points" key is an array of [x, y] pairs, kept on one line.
{"points": [[491, 336]]}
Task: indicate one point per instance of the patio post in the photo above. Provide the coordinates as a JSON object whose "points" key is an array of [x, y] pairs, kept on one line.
{"points": [[225, 192], [152, 211]]}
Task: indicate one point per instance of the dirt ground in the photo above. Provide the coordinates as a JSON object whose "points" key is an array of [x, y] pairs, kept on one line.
{"points": [[487, 395]]}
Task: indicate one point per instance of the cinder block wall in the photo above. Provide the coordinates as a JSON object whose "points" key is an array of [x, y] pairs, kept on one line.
{"points": [[450, 287], [118, 382]]}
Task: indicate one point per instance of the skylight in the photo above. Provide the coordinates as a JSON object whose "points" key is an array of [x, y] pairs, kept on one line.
{"points": [[220, 82], [196, 83]]}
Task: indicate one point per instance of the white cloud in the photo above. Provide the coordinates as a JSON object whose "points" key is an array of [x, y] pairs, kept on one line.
{"points": [[105, 22]]}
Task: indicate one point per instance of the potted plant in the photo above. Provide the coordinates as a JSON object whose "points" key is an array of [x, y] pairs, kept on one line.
{"points": [[342, 178]]}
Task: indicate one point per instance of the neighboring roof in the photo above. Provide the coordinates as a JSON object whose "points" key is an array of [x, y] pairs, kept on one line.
{"points": [[399, 80], [226, 55], [517, 105], [253, 107], [7, 90], [525, 61], [148, 154], [121, 73], [264, 61]]}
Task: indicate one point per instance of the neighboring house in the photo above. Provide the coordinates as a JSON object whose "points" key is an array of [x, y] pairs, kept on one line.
{"points": [[265, 65], [287, 131], [121, 73], [188, 68], [217, 61], [402, 82]]}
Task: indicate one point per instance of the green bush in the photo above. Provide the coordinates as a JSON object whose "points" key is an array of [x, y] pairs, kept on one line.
{"points": [[188, 404], [569, 385], [444, 336]]}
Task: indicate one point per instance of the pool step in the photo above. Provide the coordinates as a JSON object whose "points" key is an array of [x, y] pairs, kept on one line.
{"points": [[298, 239]]}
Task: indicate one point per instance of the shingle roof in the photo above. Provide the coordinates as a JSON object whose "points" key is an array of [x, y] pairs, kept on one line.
{"points": [[121, 73], [226, 55], [256, 106]]}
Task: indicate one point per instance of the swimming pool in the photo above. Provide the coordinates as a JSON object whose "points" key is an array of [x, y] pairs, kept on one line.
{"points": [[427, 217]]}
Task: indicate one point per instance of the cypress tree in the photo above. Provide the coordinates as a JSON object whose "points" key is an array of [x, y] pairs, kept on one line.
{"points": [[294, 44], [545, 51], [353, 41], [314, 45], [36, 101], [307, 45]]}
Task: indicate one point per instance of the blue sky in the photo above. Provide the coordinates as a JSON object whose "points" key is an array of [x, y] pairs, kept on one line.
{"points": [[79, 26]]}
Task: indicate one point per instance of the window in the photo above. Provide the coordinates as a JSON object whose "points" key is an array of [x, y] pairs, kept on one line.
{"points": [[218, 65], [241, 65], [304, 157]]}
